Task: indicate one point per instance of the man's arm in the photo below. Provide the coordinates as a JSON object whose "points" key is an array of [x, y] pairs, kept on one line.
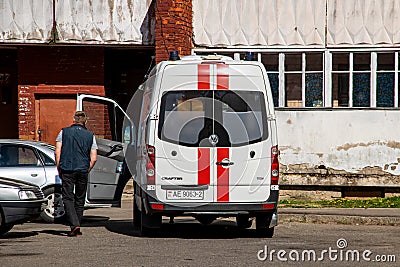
{"points": [[93, 158], [57, 154]]}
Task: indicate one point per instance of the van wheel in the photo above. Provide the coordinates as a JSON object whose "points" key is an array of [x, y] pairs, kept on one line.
{"points": [[205, 219], [54, 206], [137, 215], [143, 230], [243, 221], [148, 223], [262, 226], [266, 232]]}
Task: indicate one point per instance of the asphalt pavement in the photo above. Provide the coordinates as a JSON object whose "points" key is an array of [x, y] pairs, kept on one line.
{"points": [[109, 239]]}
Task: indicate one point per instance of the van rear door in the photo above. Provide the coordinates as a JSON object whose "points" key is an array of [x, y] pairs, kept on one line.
{"points": [[183, 152], [243, 148]]}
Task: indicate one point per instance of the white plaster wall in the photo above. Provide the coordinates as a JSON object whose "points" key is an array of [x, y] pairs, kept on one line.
{"points": [[340, 139]]}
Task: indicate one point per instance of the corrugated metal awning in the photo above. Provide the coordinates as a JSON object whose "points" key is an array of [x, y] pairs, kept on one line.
{"points": [[99, 22], [296, 23]]}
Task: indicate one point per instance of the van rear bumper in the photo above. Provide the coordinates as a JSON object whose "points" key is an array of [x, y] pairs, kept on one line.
{"points": [[153, 206]]}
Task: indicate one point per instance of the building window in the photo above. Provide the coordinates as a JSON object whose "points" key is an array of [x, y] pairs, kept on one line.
{"points": [[335, 78], [303, 74], [361, 80], [365, 79], [340, 79], [293, 80], [271, 63], [314, 80], [385, 87], [385, 80]]}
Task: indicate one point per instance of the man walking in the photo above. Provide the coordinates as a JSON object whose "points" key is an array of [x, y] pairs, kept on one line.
{"points": [[76, 154]]}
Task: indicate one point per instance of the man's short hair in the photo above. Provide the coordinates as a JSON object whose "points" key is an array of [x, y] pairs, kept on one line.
{"points": [[80, 117]]}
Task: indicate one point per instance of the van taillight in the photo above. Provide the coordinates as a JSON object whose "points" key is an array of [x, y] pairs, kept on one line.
{"points": [[151, 165], [274, 165]]}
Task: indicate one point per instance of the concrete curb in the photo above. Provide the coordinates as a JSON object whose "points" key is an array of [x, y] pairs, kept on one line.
{"points": [[389, 217]]}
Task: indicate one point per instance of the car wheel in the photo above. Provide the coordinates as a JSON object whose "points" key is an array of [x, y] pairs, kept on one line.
{"points": [[4, 228], [205, 219], [54, 207]]}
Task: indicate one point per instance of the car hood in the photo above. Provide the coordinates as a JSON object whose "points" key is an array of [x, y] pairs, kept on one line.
{"points": [[8, 182]]}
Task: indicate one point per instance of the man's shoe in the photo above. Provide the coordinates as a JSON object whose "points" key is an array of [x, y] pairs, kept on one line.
{"points": [[75, 231]]}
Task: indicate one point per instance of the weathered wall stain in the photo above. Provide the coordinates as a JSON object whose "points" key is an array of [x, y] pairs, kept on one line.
{"points": [[391, 144]]}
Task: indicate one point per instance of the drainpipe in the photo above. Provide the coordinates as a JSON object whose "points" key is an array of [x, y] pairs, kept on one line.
{"points": [[54, 35]]}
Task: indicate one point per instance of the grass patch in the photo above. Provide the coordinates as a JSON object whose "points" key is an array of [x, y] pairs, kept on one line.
{"points": [[391, 202]]}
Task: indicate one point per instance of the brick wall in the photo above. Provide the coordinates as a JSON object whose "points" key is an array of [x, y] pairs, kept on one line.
{"points": [[26, 102], [173, 28], [99, 120], [64, 65]]}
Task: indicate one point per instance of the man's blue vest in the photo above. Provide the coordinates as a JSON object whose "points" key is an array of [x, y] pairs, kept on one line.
{"points": [[75, 151]]}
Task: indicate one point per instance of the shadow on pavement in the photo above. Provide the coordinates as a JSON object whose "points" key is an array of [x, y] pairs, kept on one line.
{"points": [[11, 235], [54, 232], [184, 229], [95, 221]]}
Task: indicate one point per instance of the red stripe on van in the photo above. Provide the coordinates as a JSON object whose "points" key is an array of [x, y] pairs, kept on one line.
{"points": [[222, 176], [203, 74], [203, 164], [222, 76]]}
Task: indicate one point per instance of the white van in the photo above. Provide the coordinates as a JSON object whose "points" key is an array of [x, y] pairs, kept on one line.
{"points": [[206, 144]]}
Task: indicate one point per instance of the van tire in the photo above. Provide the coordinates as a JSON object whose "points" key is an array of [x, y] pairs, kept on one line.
{"points": [[205, 219], [144, 231], [262, 225], [145, 222], [149, 223], [137, 215], [243, 221], [265, 232]]}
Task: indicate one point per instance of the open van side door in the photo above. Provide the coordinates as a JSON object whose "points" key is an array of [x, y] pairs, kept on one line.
{"points": [[115, 135]]}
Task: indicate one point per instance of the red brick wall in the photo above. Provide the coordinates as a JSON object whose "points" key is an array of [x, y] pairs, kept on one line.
{"points": [[173, 28], [64, 65], [99, 120], [26, 102]]}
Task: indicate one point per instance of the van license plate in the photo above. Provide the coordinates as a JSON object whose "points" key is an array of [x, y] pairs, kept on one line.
{"points": [[185, 194]]}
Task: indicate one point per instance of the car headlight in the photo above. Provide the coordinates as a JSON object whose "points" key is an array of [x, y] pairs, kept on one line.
{"points": [[25, 194]]}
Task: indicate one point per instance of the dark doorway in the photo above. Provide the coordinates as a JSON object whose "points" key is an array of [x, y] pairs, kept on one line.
{"points": [[125, 70], [8, 93]]}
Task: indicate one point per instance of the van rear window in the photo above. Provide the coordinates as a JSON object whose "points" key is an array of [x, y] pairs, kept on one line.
{"points": [[190, 117]]}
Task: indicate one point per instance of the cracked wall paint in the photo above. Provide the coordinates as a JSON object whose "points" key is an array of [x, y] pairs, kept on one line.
{"points": [[343, 140]]}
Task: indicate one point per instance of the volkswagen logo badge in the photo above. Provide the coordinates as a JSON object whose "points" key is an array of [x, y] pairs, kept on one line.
{"points": [[213, 139]]}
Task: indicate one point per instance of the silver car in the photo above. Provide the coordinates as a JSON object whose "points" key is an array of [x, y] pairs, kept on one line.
{"points": [[19, 202], [33, 162]]}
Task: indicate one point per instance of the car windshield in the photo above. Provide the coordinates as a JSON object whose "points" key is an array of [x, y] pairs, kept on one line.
{"points": [[190, 117]]}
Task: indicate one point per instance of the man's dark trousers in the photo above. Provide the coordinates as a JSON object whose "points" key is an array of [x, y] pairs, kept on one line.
{"points": [[74, 203]]}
